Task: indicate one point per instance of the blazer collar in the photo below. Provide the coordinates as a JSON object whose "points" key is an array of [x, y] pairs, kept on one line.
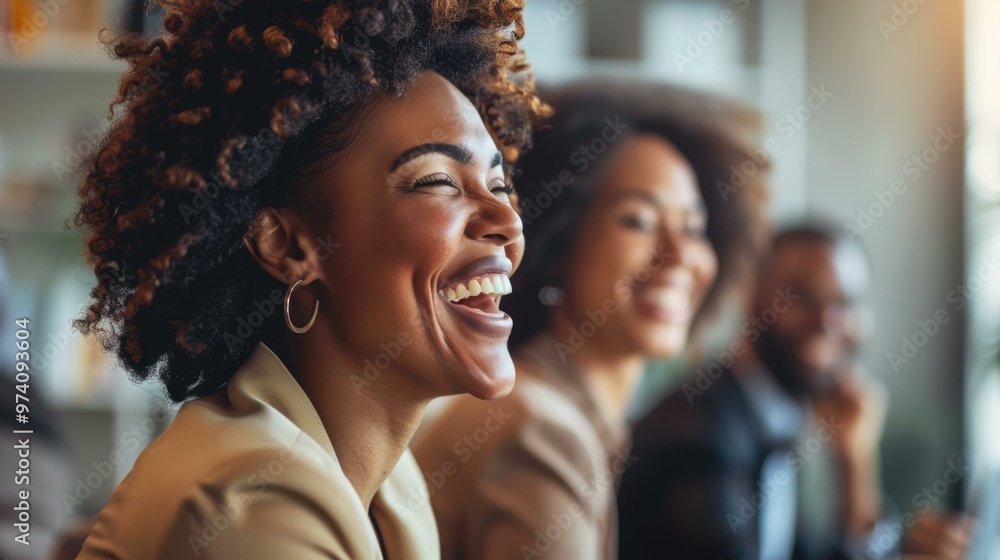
{"points": [[401, 507], [264, 378]]}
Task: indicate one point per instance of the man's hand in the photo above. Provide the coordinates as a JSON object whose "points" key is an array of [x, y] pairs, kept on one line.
{"points": [[859, 406], [940, 535]]}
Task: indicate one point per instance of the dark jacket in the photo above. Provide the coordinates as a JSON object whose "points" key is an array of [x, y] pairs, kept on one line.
{"points": [[699, 455]]}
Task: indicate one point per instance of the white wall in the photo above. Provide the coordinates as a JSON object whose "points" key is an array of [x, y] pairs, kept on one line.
{"points": [[893, 92]]}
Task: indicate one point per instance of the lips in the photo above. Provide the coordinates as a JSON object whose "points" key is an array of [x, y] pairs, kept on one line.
{"points": [[473, 294], [666, 298]]}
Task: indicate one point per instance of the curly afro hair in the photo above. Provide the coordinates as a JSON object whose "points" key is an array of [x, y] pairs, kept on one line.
{"points": [[249, 95]]}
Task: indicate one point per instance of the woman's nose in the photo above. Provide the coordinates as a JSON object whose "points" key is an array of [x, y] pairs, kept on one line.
{"points": [[495, 221]]}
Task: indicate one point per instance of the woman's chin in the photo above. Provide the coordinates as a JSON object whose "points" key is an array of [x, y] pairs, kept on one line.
{"points": [[488, 384], [665, 345]]}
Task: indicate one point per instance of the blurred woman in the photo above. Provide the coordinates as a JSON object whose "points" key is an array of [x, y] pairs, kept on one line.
{"points": [[273, 228], [635, 232]]}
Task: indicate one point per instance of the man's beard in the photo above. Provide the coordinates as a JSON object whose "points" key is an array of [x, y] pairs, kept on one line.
{"points": [[778, 356]]}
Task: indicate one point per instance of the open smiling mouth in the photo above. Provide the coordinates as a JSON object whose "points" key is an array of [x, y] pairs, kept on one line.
{"points": [[476, 300], [670, 305]]}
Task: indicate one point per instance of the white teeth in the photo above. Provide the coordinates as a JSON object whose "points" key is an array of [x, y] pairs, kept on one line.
{"points": [[496, 285], [670, 299]]}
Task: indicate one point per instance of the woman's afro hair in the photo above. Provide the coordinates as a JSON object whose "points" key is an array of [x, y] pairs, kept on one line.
{"points": [[204, 120]]}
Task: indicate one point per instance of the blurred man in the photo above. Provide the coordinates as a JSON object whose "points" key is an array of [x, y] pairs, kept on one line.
{"points": [[721, 460]]}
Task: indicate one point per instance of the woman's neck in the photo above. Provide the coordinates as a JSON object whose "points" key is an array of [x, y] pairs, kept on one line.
{"points": [[613, 374], [369, 424]]}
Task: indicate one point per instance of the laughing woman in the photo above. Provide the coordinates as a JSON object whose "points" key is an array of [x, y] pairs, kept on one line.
{"points": [[630, 242], [274, 229]]}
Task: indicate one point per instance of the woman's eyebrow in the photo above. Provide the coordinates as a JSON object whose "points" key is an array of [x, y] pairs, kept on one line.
{"points": [[637, 194], [457, 153], [695, 206]]}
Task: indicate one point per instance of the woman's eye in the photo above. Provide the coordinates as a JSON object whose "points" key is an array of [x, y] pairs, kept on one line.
{"points": [[696, 228], [502, 190], [637, 222], [438, 180]]}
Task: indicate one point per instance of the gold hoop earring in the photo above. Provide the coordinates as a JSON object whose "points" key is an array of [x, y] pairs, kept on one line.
{"points": [[288, 313]]}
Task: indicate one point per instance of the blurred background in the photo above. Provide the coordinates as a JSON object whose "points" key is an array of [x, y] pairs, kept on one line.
{"points": [[860, 95]]}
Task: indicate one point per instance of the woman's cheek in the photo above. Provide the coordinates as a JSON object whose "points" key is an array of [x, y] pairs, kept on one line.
{"points": [[707, 269], [426, 224], [515, 252]]}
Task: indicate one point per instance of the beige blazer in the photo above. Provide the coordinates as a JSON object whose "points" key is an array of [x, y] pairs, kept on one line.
{"points": [[531, 475], [250, 472]]}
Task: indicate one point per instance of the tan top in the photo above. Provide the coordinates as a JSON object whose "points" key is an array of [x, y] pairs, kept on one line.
{"points": [[531, 475], [250, 472]]}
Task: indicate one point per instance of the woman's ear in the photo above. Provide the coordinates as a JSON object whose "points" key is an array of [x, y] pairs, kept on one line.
{"points": [[280, 242]]}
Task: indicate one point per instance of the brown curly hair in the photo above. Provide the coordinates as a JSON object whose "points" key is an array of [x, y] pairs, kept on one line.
{"points": [[252, 95]]}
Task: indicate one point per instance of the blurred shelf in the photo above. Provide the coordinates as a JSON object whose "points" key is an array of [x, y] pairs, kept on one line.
{"points": [[122, 397], [83, 406], [106, 405], [87, 64], [59, 85], [63, 53], [33, 208]]}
